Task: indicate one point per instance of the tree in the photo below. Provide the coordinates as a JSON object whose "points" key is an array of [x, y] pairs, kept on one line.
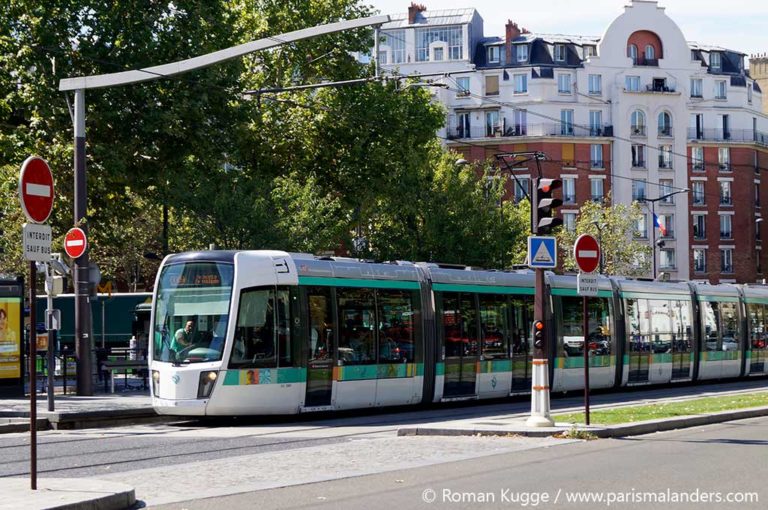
{"points": [[614, 225]]}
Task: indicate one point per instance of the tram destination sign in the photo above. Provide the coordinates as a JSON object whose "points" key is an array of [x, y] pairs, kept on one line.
{"points": [[37, 242]]}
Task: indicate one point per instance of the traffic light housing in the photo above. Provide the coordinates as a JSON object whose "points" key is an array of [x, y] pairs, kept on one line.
{"points": [[542, 209], [538, 335]]}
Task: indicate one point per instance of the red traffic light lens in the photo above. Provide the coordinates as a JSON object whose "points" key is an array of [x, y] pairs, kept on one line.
{"points": [[545, 188], [538, 325]]}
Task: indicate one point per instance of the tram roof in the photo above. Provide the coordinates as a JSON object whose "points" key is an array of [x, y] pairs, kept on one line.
{"points": [[340, 267], [469, 276], [722, 289], [653, 287]]}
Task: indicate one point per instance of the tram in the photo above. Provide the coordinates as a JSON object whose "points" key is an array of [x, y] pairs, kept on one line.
{"points": [[268, 332]]}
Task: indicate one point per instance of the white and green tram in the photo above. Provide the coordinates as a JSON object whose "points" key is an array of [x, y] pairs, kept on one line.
{"points": [[268, 332]]}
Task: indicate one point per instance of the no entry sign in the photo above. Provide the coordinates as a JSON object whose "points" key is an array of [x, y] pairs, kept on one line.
{"points": [[75, 242], [586, 251], [36, 189]]}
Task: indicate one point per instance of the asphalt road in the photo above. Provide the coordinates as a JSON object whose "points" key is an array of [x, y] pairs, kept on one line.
{"points": [[685, 469]]}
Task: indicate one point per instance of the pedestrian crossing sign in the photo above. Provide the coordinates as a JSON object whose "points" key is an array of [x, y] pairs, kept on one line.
{"points": [[542, 252]]}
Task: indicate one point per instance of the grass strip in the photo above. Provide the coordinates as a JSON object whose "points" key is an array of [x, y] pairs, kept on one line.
{"points": [[706, 405]]}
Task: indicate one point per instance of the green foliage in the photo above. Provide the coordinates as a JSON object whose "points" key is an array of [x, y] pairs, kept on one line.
{"points": [[614, 226]]}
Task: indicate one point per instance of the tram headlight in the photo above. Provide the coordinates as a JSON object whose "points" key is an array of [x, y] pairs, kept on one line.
{"points": [[156, 382], [207, 382]]}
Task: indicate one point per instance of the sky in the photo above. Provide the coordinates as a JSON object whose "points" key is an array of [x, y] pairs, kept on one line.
{"points": [[740, 25]]}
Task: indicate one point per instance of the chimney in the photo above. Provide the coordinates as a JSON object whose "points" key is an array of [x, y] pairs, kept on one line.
{"points": [[413, 11], [513, 32]]}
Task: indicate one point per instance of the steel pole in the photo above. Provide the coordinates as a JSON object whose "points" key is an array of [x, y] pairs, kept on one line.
{"points": [[32, 355], [540, 414], [83, 352], [585, 312], [51, 360], [653, 240]]}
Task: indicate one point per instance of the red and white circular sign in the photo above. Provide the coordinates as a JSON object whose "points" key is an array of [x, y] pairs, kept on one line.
{"points": [[36, 189], [75, 242], [586, 251]]}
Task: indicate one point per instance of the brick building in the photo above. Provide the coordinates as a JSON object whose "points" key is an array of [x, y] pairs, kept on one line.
{"points": [[638, 111]]}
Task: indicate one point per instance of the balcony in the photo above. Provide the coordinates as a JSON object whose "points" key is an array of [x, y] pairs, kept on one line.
{"points": [[637, 130], [665, 131], [726, 200], [659, 88], [646, 62], [597, 163], [665, 163], [726, 235], [729, 135], [638, 163], [725, 167], [518, 130]]}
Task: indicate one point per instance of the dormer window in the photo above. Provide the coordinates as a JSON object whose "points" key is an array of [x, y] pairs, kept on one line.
{"points": [[559, 52], [590, 51], [494, 54], [522, 52], [714, 60]]}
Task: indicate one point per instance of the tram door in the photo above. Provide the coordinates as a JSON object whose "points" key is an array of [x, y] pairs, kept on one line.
{"points": [[522, 318], [321, 347], [461, 344]]}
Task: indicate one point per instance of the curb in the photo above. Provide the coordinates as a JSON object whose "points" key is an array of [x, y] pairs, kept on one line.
{"points": [[68, 494], [19, 422], [630, 429]]}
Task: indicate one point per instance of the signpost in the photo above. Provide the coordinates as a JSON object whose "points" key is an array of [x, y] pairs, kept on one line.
{"points": [[586, 251], [36, 196], [75, 242]]}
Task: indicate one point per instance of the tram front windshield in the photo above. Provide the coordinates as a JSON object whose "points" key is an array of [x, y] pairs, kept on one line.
{"points": [[191, 312]]}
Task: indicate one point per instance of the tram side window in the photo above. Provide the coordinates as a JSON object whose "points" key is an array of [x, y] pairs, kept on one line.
{"points": [[494, 326], [757, 326], [254, 339], [459, 324], [321, 323], [356, 322], [284, 303], [661, 326], [710, 316], [398, 326], [681, 325], [638, 325], [522, 319], [599, 335], [729, 314]]}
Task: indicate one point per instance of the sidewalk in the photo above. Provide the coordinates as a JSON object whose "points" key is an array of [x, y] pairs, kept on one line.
{"points": [[65, 493]]}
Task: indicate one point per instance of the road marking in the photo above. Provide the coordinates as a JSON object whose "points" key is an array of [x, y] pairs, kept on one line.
{"points": [[38, 190]]}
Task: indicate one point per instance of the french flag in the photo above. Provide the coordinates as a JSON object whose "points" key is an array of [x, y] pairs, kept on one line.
{"points": [[659, 225]]}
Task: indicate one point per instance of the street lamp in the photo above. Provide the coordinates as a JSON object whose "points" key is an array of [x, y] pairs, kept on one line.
{"points": [[600, 226], [653, 219]]}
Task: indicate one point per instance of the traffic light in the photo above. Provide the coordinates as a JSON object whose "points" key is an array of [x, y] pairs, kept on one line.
{"points": [[543, 222], [538, 335]]}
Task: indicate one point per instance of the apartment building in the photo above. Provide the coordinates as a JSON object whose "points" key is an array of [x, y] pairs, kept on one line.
{"points": [[638, 111]]}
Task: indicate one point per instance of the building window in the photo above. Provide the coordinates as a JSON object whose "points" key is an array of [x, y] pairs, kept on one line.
{"points": [[595, 122], [641, 227], [492, 125], [595, 84], [569, 190], [522, 187], [559, 52], [697, 190], [596, 156], [758, 256], [667, 258], [521, 122], [632, 53], [437, 53], [566, 122], [632, 83], [638, 189], [569, 221], [463, 127], [596, 189], [395, 39], [522, 52], [724, 159], [494, 54], [714, 61], [699, 260], [564, 83], [696, 87], [699, 227], [726, 260], [725, 193], [638, 156], [665, 124], [666, 225], [650, 52], [453, 36], [749, 93], [638, 123], [757, 194], [665, 188], [521, 84], [463, 86], [590, 51], [492, 85], [726, 226], [697, 159], [720, 89], [665, 156]]}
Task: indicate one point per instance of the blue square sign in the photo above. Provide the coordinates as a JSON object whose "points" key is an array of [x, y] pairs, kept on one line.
{"points": [[542, 252]]}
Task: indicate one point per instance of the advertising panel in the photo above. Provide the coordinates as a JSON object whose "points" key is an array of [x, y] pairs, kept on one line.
{"points": [[10, 338]]}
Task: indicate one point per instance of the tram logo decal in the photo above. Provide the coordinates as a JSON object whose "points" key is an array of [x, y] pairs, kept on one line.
{"points": [[176, 378]]}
